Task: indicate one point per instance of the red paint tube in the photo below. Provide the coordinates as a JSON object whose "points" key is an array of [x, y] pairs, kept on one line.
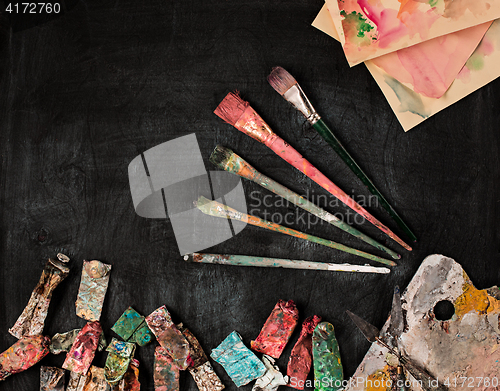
{"points": [[82, 352], [277, 330], [23, 354], [300, 361], [166, 373]]}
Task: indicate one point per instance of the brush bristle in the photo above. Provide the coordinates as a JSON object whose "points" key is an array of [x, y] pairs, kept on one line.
{"points": [[220, 156], [281, 80], [231, 108]]}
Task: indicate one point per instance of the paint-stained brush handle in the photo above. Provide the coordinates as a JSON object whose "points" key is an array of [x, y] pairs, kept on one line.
{"points": [[245, 260], [243, 117], [216, 209], [330, 138], [228, 160]]}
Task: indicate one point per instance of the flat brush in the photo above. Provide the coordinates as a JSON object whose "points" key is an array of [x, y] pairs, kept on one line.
{"points": [[216, 209], [243, 117], [245, 260], [227, 160], [286, 85]]}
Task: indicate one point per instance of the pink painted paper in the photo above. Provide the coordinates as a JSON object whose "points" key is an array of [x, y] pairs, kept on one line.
{"points": [[370, 28]]}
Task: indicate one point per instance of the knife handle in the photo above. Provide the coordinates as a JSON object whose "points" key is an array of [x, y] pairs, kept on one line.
{"points": [[427, 381]]}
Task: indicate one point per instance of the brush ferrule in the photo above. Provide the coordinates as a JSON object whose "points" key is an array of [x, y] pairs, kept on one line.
{"points": [[299, 100]]}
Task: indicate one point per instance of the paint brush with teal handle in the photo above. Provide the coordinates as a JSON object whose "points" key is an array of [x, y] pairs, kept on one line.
{"points": [[216, 209], [286, 85], [227, 160]]}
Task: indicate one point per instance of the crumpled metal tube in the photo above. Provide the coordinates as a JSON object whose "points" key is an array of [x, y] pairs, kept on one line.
{"points": [[130, 381], [300, 361], [203, 374], [240, 363], [62, 342], [93, 380], [51, 379], [169, 337], [132, 327], [25, 353], [32, 319], [277, 330], [166, 373], [272, 379], [82, 352], [119, 356], [328, 372], [93, 287]]}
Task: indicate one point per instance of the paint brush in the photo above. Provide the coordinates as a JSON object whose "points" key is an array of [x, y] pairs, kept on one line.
{"points": [[286, 85], [227, 160], [243, 117], [216, 209], [244, 260]]}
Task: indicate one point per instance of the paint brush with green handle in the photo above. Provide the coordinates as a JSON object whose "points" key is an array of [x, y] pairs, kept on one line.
{"points": [[216, 209], [227, 160], [286, 85]]}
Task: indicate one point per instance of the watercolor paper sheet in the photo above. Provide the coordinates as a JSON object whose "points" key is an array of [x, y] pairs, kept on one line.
{"points": [[371, 28], [412, 108]]}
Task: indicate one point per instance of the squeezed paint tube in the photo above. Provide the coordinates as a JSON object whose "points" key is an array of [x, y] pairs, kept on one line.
{"points": [[272, 379], [32, 319], [93, 380], [328, 374], [119, 356], [240, 363], [51, 379], [62, 342], [93, 286], [82, 351], [130, 381], [169, 337], [166, 373], [203, 374], [132, 327], [205, 377], [277, 330], [300, 361], [25, 353]]}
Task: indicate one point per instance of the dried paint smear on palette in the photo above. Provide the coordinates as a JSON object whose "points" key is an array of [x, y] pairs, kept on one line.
{"points": [[463, 346]]}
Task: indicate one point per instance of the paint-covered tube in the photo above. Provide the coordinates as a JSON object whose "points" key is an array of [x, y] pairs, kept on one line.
{"points": [[93, 287], [328, 372], [166, 373], [300, 361], [169, 337], [51, 379], [132, 327], [23, 354], [119, 356], [82, 351], [272, 379], [277, 330], [240, 363], [62, 342], [130, 381], [32, 319]]}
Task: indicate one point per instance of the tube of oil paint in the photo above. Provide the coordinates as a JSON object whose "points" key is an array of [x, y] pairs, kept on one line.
{"points": [[23, 354], [130, 381], [240, 363], [169, 337], [82, 351], [32, 319], [51, 379], [166, 373], [119, 356], [277, 330], [62, 342], [328, 373], [132, 327], [93, 287], [300, 361], [272, 379]]}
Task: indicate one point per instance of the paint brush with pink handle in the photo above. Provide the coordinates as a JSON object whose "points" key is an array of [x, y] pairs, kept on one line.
{"points": [[237, 112], [286, 85]]}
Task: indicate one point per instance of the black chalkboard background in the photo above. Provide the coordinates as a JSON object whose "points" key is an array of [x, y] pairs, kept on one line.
{"points": [[84, 92]]}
